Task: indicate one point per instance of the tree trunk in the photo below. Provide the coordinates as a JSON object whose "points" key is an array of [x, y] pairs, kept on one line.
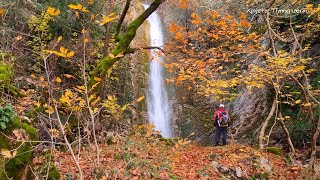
{"points": [[125, 39], [285, 129], [314, 143], [265, 124]]}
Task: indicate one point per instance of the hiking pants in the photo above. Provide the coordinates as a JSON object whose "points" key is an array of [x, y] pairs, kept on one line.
{"points": [[219, 131]]}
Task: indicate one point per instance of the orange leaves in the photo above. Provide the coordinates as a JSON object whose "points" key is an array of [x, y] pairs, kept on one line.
{"points": [[213, 14], [62, 53], [52, 11], [212, 41], [196, 19], [245, 23], [140, 99], [1, 11], [183, 4], [173, 28], [243, 16]]}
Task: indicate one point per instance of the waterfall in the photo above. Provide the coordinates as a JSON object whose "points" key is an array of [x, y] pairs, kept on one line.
{"points": [[159, 110]]}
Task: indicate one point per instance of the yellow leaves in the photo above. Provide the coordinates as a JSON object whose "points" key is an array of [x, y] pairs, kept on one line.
{"points": [[41, 79], [58, 79], [298, 101], [80, 88], [124, 107], [106, 19], [63, 52], [50, 110], [1, 11], [113, 109], [75, 7], [307, 104], [8, 154], [92, 17], [78, 7], [309, 6], [36, 103], [90, 2], [54, 133], [85, 40], [59, 39], [140, 99], [117, 56], [66, 97], [95, 101], [97, 79], [83, 31], [181, 142], [52, 11]]}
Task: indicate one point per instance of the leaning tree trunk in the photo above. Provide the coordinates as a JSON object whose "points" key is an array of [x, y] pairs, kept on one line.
{"points": [[124, 40], [265, 124], [286, 131]]}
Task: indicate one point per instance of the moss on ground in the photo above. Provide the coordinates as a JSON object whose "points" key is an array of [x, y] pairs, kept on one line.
{"points": [[14, 166], [275, 150]]}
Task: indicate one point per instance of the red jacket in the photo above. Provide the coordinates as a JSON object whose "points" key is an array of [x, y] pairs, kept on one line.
{"points": [[217, 115]]}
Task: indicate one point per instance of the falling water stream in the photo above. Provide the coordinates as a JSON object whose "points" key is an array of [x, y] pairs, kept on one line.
{"points": [[159, 110]]}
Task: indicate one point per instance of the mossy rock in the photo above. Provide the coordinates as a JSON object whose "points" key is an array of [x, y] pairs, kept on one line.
{"points": [[169, 141], [14, 167], [259, 176], [53, 173], [275, 150], [6, 74]]}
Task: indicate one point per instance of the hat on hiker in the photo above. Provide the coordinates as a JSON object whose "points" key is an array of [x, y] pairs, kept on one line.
{"points": [[221, 105]]}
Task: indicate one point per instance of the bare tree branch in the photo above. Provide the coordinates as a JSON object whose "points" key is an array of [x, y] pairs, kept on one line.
{"points": [[132, 50], [123, 15]]}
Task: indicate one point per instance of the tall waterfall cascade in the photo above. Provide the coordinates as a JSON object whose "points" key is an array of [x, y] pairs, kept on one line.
{"points": [[159, 109]]}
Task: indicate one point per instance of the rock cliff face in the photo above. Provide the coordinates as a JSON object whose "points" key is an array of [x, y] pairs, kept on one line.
{"points": [[249, 108], [138, 63], [131, 72]]}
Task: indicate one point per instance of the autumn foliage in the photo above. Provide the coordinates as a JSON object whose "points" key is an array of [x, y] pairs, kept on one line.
{"points": [[208, 55]]}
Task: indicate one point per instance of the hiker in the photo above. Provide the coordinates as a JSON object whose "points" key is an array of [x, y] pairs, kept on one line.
{"points": [[221, 122]]}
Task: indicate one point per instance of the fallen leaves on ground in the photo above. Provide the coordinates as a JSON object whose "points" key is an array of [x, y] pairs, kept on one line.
{"points": [[157, 158]]}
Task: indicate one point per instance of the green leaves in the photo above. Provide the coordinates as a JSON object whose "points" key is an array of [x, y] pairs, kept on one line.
{"points": [[6, 116]]}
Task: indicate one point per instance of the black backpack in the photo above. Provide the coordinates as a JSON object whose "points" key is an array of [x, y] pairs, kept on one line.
{"points": [[224, 119]]}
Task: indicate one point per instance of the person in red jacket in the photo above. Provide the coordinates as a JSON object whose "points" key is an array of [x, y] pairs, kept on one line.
{"points": [[221, 122]]}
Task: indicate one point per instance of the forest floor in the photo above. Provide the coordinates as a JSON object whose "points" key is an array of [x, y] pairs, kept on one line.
{"points": [[140, 157]]}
